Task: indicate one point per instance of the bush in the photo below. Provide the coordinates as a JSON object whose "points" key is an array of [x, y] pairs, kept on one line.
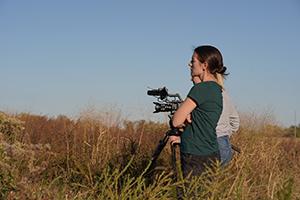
{"points": [[10, 128], [7, 182], [87, 158]]}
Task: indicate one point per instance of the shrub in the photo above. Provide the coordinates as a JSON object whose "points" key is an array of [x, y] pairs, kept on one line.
{"points": [[10, 128]]}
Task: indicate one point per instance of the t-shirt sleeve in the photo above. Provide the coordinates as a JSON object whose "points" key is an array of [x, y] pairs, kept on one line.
{"points": [[195, 94], [233, 116]]}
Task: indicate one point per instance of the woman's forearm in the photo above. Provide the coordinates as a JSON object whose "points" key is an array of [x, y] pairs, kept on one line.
{"points": [[183, 112]]}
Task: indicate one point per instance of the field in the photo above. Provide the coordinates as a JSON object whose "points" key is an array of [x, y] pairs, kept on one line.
{"points": [[101, 156]]}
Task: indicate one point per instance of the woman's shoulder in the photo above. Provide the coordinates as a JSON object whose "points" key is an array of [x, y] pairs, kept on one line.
{"points": [[208, 85], [206, 88], [226, 95]]}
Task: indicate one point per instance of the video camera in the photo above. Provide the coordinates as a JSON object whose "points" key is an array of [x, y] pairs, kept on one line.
{"points": [[165, 102]]}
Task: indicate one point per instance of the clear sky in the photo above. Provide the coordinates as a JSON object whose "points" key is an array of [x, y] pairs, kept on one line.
{"points": [[59, 57]]}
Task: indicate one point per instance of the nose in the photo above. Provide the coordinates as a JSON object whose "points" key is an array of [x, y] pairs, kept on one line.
{"points": [[190, 65]]}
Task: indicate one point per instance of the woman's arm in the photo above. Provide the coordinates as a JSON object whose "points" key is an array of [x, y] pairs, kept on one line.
{"points": [[234, 119], [183, 111]]}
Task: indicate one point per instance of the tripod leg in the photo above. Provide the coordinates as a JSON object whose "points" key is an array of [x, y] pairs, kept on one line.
{"points": [[162, 143], [175, 168], [173, 150]]}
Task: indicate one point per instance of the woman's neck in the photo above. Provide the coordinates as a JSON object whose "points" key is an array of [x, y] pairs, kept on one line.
{"points": [[210, 77]]}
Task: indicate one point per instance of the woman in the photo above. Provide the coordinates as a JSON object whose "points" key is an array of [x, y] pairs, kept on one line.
{"points": [[199, 146], [229, 122]]}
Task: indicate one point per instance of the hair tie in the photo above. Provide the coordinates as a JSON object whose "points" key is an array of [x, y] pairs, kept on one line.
{"points": [[222, 70]]}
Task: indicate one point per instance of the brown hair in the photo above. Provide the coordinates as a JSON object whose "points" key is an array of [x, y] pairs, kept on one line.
{"points": [[213, 57]]}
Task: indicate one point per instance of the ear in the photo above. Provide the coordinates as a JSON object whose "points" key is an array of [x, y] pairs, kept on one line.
{"points": [[205, 66]]}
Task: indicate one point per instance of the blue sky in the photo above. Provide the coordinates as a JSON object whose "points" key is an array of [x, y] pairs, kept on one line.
{"points": [[59, 57]]}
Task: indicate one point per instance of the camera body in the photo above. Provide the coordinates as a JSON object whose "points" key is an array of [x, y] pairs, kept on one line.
{"points": [[165, 102]]}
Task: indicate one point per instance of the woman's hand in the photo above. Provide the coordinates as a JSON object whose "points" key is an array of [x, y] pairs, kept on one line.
{"points": [[189, 118], [174, 139]]}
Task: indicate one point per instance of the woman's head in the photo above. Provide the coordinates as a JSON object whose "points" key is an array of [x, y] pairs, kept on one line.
{"points": [[207, 61]]}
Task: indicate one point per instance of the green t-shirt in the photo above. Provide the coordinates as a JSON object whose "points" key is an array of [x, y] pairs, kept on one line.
{"points": [[199, 137]]}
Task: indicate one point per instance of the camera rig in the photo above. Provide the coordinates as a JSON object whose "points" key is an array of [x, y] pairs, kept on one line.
{"points": [[165, 102]]}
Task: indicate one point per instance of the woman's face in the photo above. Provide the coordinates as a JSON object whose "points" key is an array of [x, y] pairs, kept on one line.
{"points": [[196, 66]]}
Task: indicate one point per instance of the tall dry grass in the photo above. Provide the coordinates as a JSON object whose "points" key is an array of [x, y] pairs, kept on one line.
{"points": [[101, 156]]}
